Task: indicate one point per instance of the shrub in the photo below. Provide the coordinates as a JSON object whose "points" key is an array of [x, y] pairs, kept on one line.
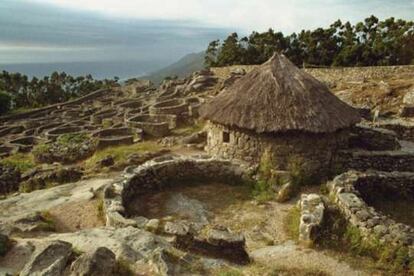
{"points": [[5, 102]]}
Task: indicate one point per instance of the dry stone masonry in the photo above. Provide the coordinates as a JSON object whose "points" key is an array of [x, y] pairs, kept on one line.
{"points": [[348, 191]]}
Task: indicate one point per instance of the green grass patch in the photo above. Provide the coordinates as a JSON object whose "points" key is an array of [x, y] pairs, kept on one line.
{"points": [[21, 161], [341, 237], [259, 268], [120, 153], [101, 209], [188, 130], [291, 223]]}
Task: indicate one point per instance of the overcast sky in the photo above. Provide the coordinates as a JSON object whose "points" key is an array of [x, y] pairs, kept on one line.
{"points": [[287, 15], [33, 31]]}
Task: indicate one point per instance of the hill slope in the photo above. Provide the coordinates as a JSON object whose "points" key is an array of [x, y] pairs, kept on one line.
{"points": [[181, 68]]}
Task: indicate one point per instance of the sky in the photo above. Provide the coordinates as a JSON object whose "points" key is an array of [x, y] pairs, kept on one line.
{"points": [[158, 32]]}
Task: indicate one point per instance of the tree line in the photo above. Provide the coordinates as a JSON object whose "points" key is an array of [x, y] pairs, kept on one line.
{"points": [[17, 91], [368, 43]]}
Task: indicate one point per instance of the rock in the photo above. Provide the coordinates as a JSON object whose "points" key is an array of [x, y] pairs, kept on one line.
{"points": [[286, 192], [50, 258], [152, 225], [182, 232], [130, 244], [162, 263], [225, 239], [312, 213], [41, 178], [100, 262], [107, 161], [141, 222]]}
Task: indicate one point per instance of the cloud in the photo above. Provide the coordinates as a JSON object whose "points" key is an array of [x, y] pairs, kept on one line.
{"points": [[247, 15]]}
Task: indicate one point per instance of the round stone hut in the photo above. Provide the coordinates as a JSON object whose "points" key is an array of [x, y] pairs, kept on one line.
{"points": [[279, 109]]}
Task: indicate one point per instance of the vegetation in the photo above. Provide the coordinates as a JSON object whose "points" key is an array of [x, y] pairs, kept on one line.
{"points": [[20, 161], [47, 223], [291, 223], [56, 88], [68, 148], [120, 153], [263, 188], [368, 43], [269, 178], [338, 235], [5, 102], [124, 268], [258, 268]]}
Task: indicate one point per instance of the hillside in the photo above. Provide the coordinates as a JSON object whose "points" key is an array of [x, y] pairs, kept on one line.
{"points": [[128, 179], [182, 68]]}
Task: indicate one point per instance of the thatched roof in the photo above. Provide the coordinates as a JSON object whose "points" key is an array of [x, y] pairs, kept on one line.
{"points": [[276, 97]]}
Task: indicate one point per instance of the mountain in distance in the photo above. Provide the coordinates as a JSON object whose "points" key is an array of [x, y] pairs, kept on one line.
{"points": [[182, 68]]}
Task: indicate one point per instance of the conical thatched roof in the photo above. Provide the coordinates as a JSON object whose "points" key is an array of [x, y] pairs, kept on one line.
{"points": [[277, 96]]}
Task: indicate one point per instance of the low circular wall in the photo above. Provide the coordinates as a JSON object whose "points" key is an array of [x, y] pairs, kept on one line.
{"points": [[56, 132], [347, 191], [25, 144], [98, 117], [114, 137], [174, 106], [162, 173], [154, 125]]}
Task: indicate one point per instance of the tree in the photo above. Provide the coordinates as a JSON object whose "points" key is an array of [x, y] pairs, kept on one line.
{"points": [[5, 102], [368, 43]]}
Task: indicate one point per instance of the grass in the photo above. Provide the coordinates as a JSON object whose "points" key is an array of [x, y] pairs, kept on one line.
{"points": [[21, 161], [120, 153], [291, 223], [267, 269], [346, 239], [100, 209], [188, 130], [124, 268]]}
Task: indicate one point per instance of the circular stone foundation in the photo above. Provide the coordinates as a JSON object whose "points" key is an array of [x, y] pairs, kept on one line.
{"points": [[114, 137], [190, 198], [56, 132], [153, 125], [174, 106], [379, 204]]}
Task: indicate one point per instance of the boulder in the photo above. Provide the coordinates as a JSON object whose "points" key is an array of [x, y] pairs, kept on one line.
{"points": [[100, 262], [224, 238], [50, 258]]}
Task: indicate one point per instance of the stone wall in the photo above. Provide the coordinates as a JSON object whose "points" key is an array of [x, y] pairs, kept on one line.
{"points": [[346, 190], [33, 113], [161, 173], [331, 75], [368, 138], [376, 160], [316, 150]]}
